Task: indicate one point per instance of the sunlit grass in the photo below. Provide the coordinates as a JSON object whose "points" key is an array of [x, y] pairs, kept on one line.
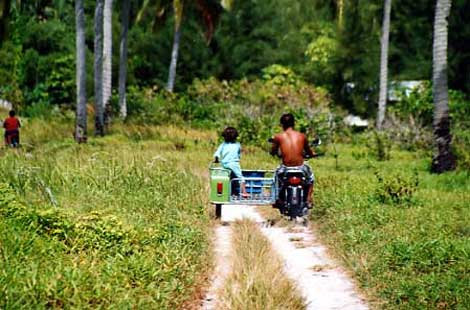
{"points": [[115, 223], [143, 189], [257, 281], [412, 254]]}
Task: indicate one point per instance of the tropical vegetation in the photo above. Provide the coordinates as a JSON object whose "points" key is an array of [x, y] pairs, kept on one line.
{"points": [[104, 205]]}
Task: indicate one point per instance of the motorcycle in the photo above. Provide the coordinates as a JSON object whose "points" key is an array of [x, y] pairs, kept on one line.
{"points": [[286, 190], [292, 189]]}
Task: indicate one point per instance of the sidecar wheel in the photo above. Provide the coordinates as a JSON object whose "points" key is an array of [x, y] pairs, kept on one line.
{"points": [[218, 211]]}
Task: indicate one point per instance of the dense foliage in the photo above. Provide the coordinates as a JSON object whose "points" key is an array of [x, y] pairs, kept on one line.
{"points": [[110, 223], [252, 106], [324, 43]]}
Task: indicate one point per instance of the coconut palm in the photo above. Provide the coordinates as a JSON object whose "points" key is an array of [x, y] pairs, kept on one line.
{"points": [[98, 68], [178, 10], [384, 64], [340, 9], [210, 12], [443, 159], [81, 117], [123, 58], [4, 14], [107, 57]]}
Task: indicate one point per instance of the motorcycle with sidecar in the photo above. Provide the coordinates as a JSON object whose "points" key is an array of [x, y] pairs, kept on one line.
{"points": [[286, 190]]}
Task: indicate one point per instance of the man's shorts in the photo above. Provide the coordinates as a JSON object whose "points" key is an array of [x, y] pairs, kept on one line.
{"points": [[304, 168]]}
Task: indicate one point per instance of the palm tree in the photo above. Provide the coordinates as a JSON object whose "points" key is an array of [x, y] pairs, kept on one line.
{"points": [[384, 64], [4, 14], [210, 12], [81, 117], [340, 8], [98, 68], [178, 9], [107, 57], [444, 159], [123, 58]]}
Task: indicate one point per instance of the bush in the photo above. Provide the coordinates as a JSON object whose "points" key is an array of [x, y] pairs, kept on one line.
{"points": [[419, 105], [279, 75], [396, 188], [254, 107], [461, 148]]}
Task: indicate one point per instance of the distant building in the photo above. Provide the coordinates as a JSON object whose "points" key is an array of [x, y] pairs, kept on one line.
{"points": [[397, 88], [6, 105], [355, 121]]}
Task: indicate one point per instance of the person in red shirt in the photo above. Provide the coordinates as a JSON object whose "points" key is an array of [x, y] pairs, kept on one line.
{"points": [[12, 132]]}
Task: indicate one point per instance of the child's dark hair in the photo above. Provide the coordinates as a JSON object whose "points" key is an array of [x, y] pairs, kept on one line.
{"points": [[287, 120], [12, 113], [230, 134]]}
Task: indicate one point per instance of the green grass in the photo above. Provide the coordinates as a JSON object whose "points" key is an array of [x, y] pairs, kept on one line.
{"points": [[411, 253], [115, 223], [123, 221], [256, 280]]}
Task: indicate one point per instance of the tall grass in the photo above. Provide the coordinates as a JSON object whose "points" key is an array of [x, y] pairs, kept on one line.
{"points": [[401, 230], [257, 281], [116, 223]]}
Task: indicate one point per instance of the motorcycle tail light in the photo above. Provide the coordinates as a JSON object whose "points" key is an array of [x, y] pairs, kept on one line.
{"points": [[220, 187], [295, 180]]}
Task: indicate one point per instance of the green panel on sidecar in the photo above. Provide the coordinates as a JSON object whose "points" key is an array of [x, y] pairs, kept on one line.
{"points": [[220, 185]]}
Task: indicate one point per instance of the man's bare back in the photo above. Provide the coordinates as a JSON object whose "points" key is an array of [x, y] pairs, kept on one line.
{"points": [[292, 145]]}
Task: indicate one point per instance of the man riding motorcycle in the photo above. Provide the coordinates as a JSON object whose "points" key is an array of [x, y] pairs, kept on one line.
{"points": [[292, 146]]}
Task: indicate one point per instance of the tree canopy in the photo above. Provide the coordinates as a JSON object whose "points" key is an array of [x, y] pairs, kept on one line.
{"points": [[327, 43]]}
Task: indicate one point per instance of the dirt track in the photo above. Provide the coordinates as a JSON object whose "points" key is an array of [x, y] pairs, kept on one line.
{"points": [[320, 280]]}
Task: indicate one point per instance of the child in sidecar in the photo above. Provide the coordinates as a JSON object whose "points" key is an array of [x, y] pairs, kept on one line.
{"points": [[228, 153]]}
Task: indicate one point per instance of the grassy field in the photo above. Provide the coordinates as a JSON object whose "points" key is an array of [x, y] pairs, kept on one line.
{"points": [[403, 232], [123, 221], [120, 222]]}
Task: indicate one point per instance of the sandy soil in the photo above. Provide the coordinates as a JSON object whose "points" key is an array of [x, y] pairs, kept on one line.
{"points": [[320, 280], [222, 252]]}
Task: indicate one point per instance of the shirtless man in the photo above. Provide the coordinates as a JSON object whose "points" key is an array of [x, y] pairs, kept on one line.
{"points": [[293, 146]]}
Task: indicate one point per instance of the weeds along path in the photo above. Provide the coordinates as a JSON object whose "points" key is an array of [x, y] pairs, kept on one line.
{"points": [[223, 252], [322, 283]]}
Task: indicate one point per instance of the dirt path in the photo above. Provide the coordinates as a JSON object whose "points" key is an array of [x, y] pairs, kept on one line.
{"points": [[322, 283], [222, 252]]}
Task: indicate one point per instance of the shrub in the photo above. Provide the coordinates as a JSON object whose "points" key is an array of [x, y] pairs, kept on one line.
{"points": [[396, 188], [382, 146], [461, 148], [279, 75], [254, 107], [419, 105]]}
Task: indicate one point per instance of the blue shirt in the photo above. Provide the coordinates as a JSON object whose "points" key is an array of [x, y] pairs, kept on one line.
{"points": [[228, 153]]}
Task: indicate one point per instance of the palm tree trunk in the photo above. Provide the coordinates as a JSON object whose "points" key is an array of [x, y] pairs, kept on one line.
{"points": [[81, 116], [340, 8], [98, 68], [178, 11], [384, 64], [443, 159], [123, 58], [4, 18], [107, 58], [174, 59]]}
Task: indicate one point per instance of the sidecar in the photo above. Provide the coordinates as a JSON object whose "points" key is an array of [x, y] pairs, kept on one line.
{"points": [[225, 188]]}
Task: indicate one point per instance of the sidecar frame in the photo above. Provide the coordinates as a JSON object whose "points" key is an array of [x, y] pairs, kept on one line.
{"points": [[225, 189]]}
